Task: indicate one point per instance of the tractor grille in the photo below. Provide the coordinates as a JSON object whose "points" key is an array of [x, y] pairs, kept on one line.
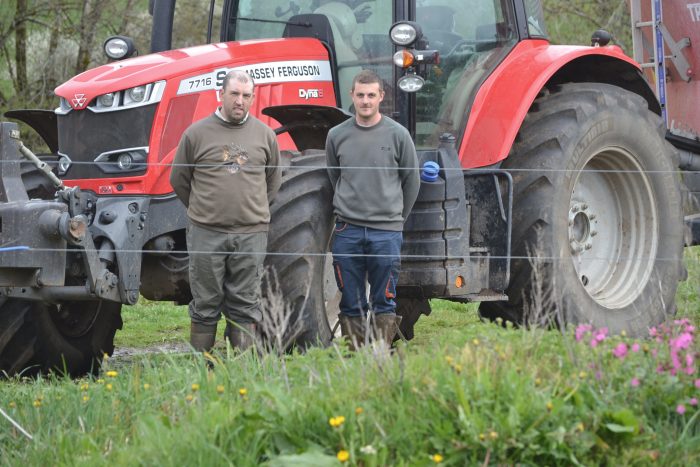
{"points": [[84, 135]]}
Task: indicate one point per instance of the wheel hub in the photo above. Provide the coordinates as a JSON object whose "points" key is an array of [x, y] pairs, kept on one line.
{"points": [[581, 227]]}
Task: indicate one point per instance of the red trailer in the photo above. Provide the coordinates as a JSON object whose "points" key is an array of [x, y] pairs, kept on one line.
{"points": [[665, 39]]}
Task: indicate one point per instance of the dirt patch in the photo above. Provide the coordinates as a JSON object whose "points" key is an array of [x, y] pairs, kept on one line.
{"points": [[127, 354]]}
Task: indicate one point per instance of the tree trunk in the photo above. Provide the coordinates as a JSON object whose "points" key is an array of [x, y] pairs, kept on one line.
{"points": [[20, 26], [91, 13]]}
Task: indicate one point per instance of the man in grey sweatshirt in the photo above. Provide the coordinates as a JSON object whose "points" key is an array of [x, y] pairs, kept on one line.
{"points": [[373, 167], [226, 171]]}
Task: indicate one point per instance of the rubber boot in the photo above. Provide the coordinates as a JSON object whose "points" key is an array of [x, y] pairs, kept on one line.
{"points": [[202, 336], [386, 325], [353, 329], [242, 336]]}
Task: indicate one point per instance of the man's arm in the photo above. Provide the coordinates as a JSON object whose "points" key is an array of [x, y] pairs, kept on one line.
{"points": [[273, 172], [181, 173], [410, 178], [332, 162]]}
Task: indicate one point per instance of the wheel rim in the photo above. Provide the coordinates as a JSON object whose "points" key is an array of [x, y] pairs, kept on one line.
{"points": [[613, 228]]}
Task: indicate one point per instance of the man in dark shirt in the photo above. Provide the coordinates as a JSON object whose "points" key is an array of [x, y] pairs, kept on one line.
{"points": [[226, 171], [373, 167]]}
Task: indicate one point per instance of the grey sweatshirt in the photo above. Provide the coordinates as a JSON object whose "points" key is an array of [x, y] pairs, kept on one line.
{"points": [[374, 171], [227, 174]]}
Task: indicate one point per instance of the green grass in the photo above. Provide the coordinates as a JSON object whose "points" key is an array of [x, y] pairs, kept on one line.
{"points": [[470, 392]]}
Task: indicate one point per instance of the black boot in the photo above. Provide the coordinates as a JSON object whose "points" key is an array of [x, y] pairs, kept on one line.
{"points": [[353, 329], [202, 336], [242, 336], [386, 325]]}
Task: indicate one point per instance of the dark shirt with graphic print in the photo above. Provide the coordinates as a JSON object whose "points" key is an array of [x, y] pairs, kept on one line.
{"points": [[227, 174]]}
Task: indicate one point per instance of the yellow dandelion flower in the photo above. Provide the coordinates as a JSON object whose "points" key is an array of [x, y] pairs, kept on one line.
{"points": [[359, 410], [220, 389], [623, 333], [195, 387], [493, 435], [37, 403], [84, 386], [475, 341], [549, 406], [582, 375], [112, 374], [538, 381], [458, 368], [12, 404], [449, 360], [437, 458], [86, 398], [189, 398], [108, 386], [343, 455], [335, 422], [243, 392], [100, 381], [482, 436], [146, 386]]}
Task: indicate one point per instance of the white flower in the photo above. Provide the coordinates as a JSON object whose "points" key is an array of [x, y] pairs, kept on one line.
{"points": [[369, 450]]}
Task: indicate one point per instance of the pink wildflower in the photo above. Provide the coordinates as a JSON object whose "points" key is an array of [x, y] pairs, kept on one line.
{"points": [[682, 342], [601, 334], [653, 332], [636, 347], [634, 382], [680, 409], [697, 383], [594, 343], [581, 331], [694, 401], [620, 351]]}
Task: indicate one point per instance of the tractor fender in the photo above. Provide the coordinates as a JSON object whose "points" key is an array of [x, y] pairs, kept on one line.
{"points": [[503, 101]]}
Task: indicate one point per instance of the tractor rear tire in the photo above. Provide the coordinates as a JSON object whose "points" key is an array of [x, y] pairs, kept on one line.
{"points": [[300, 230], [71, 338], [597, 216]]}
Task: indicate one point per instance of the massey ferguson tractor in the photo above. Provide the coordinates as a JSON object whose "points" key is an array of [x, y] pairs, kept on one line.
{"points": [[557, 190]]}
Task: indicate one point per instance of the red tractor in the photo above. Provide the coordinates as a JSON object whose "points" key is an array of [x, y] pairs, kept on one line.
{"points": [[557, 195]]}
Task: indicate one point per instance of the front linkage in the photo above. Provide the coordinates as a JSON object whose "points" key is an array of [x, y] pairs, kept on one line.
{"points": [[49, 251]]}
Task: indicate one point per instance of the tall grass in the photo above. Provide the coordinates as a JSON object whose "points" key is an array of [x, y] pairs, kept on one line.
{"points": [[462, 393]]}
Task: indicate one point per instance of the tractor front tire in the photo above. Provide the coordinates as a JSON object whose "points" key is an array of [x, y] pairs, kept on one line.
{"points": [[70, 338], [300, 230], [597, 216]]}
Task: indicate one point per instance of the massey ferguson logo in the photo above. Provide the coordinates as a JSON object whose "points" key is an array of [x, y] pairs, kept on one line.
{"points": [[310, 93], [79, 101]]}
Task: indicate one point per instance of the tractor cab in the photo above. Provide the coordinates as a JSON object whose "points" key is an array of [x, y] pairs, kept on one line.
{"points": [[464, 49]]}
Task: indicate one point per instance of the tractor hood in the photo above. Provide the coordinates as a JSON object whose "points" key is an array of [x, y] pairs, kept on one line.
{"points": [[81, 90]]}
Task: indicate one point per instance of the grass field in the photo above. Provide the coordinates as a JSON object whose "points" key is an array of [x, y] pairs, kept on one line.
{"points": [[462, 392]]}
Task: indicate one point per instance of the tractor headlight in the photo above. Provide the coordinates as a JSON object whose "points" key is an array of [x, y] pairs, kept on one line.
{"points": [[137, 94], [106, 100], [411, 82], [119, 47], [64, 164], [405, 33], [123, 160]]}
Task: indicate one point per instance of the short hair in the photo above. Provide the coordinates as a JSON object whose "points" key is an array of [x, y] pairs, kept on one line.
{"points": [[238, 75], [367, 77]]}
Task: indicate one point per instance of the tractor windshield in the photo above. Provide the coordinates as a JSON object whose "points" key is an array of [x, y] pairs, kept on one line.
{"points": [[360, 34], [470, 45]]}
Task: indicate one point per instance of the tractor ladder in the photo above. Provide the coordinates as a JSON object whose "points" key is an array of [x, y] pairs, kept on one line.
{"points": [[653, 56]]}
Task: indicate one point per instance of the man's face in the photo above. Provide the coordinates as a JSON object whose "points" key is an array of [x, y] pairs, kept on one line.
{"points": [[236, 99], [366, 98]]}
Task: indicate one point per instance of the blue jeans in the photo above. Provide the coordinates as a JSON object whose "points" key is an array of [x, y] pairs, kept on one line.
{"points": [[361, 253]]}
